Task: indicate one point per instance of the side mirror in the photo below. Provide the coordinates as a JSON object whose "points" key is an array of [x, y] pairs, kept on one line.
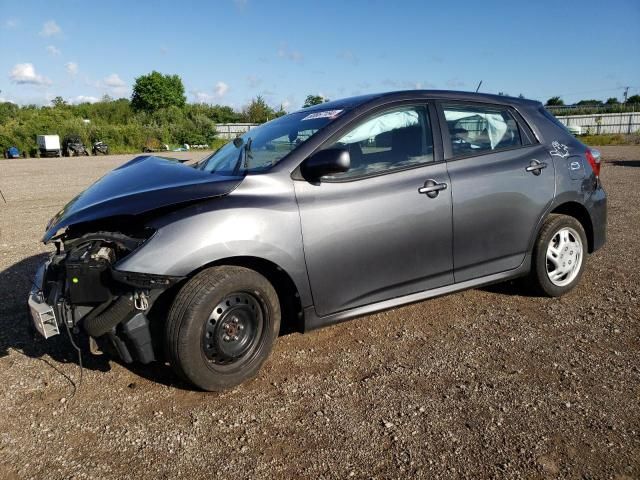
{"points": [[326, 162]]}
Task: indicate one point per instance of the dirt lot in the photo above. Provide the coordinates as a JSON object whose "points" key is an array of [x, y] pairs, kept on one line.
{"points": [[485, 383]]}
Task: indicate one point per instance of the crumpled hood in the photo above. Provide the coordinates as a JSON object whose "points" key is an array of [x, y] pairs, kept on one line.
{"points": [[141, 185]]}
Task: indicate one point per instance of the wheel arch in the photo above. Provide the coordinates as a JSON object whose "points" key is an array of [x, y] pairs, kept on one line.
{"points": [[580, 213], [576, 210], [287, 290]]}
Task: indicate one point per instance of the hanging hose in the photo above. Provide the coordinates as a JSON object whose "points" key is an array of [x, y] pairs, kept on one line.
{"points": [[104, 321]]}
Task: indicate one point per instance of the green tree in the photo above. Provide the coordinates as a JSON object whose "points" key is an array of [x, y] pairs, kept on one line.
{"points": [[258, 111], [633, 99], [554, 102], [155, 91], [589, 103], [58, 102], [612, 101], [314, 100]]}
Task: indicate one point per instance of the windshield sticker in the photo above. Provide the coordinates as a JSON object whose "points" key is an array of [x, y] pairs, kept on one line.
{"points": [[559, 149], [323, 114]]}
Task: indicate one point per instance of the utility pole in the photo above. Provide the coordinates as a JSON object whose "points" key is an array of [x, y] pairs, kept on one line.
{"points": [[626, 92]]}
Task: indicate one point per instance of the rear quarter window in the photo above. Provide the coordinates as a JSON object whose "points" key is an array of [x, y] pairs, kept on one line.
{"points": [[549, 116]]}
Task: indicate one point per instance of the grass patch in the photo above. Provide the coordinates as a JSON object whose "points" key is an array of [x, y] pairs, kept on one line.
{"points": [[612, 139]]}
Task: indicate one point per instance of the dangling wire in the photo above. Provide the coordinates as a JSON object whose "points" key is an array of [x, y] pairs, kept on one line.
{"points": [[77, 349]]}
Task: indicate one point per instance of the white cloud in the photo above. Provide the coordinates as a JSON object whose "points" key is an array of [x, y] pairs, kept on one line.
{"points": [[84, 99], [294, 55], [113, 81], [25, 74], [71, 67], [221, 89], [52, 50], [50, 28], [240, 4], [202, 97], [113, 84], [10, 23]]}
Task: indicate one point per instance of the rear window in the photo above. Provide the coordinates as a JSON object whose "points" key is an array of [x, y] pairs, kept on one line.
{"points": [[477, 130]]}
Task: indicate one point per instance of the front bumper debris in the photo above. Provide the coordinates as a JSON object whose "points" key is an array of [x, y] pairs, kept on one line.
{"points": [[43, 315]]}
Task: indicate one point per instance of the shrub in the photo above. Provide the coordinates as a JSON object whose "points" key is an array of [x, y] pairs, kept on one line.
{"points": [[113, 122]]}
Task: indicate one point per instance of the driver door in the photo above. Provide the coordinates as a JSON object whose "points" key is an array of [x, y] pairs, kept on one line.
{"points": [[373, 233]]}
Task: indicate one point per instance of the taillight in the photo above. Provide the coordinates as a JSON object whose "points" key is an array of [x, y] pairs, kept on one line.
{"points": [[593, 156]]}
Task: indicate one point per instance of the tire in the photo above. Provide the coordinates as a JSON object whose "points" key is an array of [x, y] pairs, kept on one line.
{"points": [[221, 327], [557, 269]]}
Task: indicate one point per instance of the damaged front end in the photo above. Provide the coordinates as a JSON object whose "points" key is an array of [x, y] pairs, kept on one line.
{"points": [[79, 287]]}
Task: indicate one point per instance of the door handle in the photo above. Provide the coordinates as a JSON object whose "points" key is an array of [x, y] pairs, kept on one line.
{"points": [[432, 188], [535, 167]]}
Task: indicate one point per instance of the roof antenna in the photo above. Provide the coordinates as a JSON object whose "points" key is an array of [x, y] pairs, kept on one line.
{"points": [[478, 87]]}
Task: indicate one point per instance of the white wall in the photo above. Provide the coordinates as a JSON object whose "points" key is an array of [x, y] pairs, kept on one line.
{"points": [[604, 123]]}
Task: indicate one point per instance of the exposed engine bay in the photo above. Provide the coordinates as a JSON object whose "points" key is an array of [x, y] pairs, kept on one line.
{"points": [[80, 288]]}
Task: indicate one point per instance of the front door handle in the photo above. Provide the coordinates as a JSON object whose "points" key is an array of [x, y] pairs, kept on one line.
{"points": [[536, 167], [432, 188]]}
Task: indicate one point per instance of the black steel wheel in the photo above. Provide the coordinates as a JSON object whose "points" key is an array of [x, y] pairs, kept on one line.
{"points": [[221, 327], [233, 329]]}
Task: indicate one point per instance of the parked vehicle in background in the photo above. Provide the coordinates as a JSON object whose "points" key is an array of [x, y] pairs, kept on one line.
{"points": [[12, 152], [74, 146], [100, 147], [48, 146], [322, 215]]}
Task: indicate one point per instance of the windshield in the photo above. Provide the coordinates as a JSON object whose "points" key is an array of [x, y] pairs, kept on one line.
{"points": [[262, 147]]}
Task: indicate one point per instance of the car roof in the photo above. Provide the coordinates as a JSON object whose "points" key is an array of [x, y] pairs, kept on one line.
{"points": [[384, 97]]}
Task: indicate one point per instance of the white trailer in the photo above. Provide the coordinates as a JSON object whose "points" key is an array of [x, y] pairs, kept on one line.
{"points": [[49, 146]]}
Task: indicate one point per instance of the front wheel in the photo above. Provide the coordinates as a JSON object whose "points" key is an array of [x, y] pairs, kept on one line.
{"points": [[221, 327], [559, 255]]}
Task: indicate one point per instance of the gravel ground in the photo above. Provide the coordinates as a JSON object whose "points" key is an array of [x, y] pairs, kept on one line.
{"points": [[481, 384]]}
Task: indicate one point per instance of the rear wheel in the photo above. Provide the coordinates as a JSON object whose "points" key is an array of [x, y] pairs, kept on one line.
{"points": [[559, 255], [221, 327]]}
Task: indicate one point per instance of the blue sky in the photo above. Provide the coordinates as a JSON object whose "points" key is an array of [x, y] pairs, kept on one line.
{"points": [[228, 51]]}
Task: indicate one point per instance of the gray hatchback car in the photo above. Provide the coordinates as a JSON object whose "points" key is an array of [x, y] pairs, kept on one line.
{"points": [[322, 215]]}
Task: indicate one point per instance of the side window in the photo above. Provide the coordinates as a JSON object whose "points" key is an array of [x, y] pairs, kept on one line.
{"points": [[391, 140], [477, 130]]}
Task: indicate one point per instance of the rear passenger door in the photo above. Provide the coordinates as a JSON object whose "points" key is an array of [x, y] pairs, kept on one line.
{"points": [[502, 181]]}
